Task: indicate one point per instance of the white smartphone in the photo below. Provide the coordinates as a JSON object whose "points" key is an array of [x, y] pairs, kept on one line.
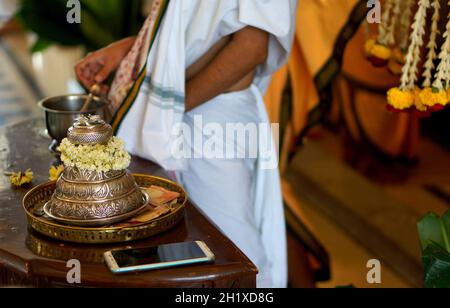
{"points": [[158, 257]]}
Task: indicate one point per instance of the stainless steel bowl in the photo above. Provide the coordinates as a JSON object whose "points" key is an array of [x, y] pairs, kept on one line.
{"points": [[62, 111]]}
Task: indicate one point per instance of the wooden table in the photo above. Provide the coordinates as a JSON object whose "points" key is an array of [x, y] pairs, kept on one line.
{"points": [[31, 259]]}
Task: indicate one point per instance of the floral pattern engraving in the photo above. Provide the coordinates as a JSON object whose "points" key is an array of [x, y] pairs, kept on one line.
{"points": [[83, 175], [111, 189], [90, 195], [92, 211]]}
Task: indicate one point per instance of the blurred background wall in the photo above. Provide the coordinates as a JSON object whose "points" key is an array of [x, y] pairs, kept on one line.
{"points": [[355, 183]]}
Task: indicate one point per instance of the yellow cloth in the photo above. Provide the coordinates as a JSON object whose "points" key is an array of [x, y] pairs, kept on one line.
{"points": [[319, 24], [363, 109], [313, 65]]}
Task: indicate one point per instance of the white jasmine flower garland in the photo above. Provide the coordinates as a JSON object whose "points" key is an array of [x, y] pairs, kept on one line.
{"points": [[410, 69], [432, 46], [405, 24], [384, 27], [442, 78], [395, 20], [99, 157]]}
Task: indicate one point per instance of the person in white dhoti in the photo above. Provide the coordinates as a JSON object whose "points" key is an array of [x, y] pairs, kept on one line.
{"points": [[197, 70]]}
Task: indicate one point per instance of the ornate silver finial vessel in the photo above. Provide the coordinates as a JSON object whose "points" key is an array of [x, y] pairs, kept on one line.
{"points": [[90, 130], [88, 198]]}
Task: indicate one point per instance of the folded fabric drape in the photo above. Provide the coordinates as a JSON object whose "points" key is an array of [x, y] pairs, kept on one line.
{"points": [[151, 118]]}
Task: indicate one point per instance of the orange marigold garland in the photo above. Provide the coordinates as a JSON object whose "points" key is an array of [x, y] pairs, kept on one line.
{"points": [[432, 46], [439, 97], [389, 46], [377, 50], [396, 61], [434, 95], [404, 97], [400, 44]]}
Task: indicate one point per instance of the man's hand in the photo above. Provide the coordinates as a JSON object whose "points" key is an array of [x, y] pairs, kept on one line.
{"points": [[247, 49], [97, 66]]}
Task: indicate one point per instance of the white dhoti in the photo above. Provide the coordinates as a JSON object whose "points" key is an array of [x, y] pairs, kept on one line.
{"points": [[243, 199], [241, 195]]}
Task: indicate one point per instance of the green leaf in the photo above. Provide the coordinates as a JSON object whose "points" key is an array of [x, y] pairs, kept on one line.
{"points": [[435, 90], [51, 24], [109, 13], [433, 228], [436, 262], [102, 21], [104, 9], [122, 18], [41, 44], [97, 34]]}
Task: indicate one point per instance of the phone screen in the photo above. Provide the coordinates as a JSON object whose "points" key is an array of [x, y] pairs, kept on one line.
{"points": [[158, 254]]}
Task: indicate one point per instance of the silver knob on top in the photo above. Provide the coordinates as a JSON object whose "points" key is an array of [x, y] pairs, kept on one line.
{"points": [[90, 130]]}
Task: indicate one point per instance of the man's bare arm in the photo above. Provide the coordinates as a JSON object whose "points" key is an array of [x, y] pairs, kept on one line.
{"points": [[98, 65], [247, 49]]}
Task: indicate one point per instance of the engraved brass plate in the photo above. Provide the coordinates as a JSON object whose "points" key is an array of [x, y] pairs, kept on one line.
{"points": [[36, 198]]}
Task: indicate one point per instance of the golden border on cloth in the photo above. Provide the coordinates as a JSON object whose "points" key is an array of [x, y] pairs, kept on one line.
{"points": [[133, 93]]}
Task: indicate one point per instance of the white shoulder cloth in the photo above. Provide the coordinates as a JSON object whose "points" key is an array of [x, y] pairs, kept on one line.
{"points": [[188, 29]]}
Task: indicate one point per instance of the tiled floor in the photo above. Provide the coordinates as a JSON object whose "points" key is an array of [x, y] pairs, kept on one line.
{"points": [[18, 94], [25, 79], [349, 257], [433, 168]]}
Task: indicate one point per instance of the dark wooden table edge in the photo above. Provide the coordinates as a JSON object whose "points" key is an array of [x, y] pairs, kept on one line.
{"points": [[25, 270]]}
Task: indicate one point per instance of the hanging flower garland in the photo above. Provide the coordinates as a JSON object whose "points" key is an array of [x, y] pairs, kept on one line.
{"points": [[388, 48], [432, 46], [434, 95], [377, 49], [441, 85], [402, 24], [405, 24], [403, 97]]}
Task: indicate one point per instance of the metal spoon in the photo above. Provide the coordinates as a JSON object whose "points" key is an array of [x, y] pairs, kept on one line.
{"points": [[94, 90]]}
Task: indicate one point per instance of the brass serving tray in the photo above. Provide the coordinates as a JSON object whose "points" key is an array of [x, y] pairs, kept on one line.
{"points": [[102, 221], [36, 198]]}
